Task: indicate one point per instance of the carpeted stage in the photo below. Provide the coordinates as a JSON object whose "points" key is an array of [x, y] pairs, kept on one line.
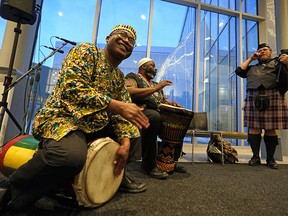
{"points": [[207, 189]]}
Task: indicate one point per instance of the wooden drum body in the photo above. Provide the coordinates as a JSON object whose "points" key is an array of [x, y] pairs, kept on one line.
{"points": [[175, 122], [93, 186]]}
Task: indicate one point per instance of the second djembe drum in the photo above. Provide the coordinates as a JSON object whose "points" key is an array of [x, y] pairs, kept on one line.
{"points": [[174, 125]]}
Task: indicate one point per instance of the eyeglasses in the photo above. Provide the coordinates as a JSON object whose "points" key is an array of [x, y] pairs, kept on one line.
{"points": [[124, 36]]}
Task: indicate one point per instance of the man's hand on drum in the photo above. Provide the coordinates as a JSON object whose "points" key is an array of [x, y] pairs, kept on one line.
{"points": [[162, 84], [173, 104], [130, 112], [121, 156]]}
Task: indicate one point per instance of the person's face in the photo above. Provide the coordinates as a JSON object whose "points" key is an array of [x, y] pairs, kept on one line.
{"points": [[150, 69], [120, 44], [265, 53]]}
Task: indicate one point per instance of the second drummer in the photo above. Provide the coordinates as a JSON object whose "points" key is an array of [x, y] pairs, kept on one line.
{"points": [[146, 92]]}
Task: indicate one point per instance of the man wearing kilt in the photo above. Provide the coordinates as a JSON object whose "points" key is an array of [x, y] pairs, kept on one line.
{"points": [[265, 107]]}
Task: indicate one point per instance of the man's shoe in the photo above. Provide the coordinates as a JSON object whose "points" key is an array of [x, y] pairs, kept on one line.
{"points": [[130, 184], [254, 161], [179, 168], [156, 173], [272, 164]]}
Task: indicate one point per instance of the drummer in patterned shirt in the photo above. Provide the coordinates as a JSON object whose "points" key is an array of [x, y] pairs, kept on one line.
{"points": [[145, 91], [89, 101]]}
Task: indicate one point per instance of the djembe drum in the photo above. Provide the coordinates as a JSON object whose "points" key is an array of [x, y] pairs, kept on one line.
{"points": [[93, 186], [174, 125]]}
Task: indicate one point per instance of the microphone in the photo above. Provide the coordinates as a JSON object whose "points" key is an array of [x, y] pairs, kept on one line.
{"points": [[60, 51], [67, 41]]}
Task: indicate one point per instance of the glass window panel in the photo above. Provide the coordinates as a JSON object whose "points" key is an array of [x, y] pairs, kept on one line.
{"points": [[251, 7], [212, 98], [224, 3], [232, 32], [232, 106], [214, 26], [223, 44], [213, 2], [232, 5], [207, 32], [2, 30], [250, 40], [223, 19], [229, 4], [215, 69], [58, 19], [173, 47]]}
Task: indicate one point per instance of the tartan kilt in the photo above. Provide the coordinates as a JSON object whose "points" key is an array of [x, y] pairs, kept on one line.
{"points": [[275, 117]]}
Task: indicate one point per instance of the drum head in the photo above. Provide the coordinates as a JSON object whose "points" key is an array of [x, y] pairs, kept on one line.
{"points": [[96, 183]]}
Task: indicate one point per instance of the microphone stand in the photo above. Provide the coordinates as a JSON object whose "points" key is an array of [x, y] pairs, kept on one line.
{"points": [[8, 80], [31, 83], [35, 67], [37, 78]]}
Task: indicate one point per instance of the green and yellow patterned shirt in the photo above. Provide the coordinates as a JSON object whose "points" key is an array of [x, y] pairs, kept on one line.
{"points": [[86, 84]]}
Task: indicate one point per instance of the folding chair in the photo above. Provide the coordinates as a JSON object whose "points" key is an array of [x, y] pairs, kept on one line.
{"points": [[199, 126]]}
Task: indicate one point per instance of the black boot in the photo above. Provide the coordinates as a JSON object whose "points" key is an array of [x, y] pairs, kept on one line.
{"points": [[271, 142], [254, 140]]}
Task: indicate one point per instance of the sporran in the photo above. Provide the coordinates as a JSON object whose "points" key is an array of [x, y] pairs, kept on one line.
{"points": [[262, 102]]}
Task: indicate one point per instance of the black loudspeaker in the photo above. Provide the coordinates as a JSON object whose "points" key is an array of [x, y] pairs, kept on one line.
{"points": [[22, 11]]}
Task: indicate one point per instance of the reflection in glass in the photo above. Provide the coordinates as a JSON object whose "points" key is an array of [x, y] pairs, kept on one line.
{"points": [[177, 41], [215, 69], [250, 40]]}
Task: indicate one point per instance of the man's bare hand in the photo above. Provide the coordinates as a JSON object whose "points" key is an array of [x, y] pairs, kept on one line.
{"points": [[163, 84], [121, 158], [134, 114], [130, 112]]}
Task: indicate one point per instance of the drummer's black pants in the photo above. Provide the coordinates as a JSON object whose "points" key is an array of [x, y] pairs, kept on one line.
{"points": [[149, 139], [55, 164], [50, 167]]}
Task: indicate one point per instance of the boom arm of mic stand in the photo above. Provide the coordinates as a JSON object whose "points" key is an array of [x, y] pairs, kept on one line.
{"points": [[33, 68]]}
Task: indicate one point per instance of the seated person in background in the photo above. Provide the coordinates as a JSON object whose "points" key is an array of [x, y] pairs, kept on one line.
{"points": [[147, 93], [89, 101]]}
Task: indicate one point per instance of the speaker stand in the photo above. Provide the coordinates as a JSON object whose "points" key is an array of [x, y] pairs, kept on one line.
{"points": [[8, 80]]}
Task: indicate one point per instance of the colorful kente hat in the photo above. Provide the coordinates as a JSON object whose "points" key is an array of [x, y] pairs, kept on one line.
{"points": [[124, 27], [143, 61]]}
